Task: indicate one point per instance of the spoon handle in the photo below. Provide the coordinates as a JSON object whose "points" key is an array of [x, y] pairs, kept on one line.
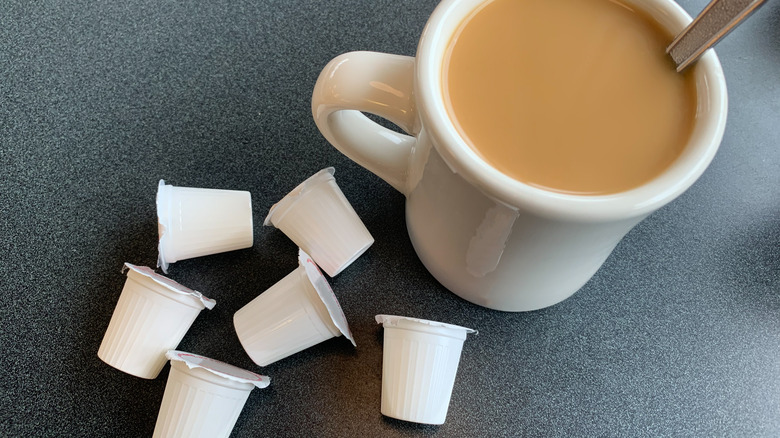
{"points": [[713, 23]]}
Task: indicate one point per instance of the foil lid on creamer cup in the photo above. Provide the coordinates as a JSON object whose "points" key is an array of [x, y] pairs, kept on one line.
{"points": [[393, 320], [170, 284], [218, 368], [162, 229], [326, 294]]}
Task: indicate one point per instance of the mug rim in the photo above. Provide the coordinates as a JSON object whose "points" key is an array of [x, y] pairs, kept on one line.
{"points": [[705, 138]]}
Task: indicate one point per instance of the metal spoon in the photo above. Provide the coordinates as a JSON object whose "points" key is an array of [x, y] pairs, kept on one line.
{"points": [[713, 23]]}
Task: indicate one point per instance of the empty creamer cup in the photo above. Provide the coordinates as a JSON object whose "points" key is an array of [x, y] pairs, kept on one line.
{"points": [[318, 218], [151, 317], [419, 364], [297, 312], [203, 397], [197, 222]]}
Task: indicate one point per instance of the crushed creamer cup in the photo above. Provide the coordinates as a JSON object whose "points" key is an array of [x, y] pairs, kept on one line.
{"points": [[219, 368], [170, 284]]}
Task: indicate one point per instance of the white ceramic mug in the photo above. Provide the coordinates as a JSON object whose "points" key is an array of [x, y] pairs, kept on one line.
{"points": [[488, 238]]}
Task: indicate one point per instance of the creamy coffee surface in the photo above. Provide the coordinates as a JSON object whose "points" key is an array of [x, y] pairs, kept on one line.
{"points": [[573, 96]]}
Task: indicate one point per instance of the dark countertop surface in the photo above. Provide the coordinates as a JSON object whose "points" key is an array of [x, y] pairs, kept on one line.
{"points": [[677, 335]]}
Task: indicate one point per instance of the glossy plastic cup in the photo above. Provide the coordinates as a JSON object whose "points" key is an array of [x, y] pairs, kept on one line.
{"points": [[320, 220], [297, 312], [419, 364], [196, 222], [151, 317], [203, 397]]}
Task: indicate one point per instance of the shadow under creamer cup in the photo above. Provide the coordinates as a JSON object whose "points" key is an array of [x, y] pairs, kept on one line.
{"points": [[493, 239]]}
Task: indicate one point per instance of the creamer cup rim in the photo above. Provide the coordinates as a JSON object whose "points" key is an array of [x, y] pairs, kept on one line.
{"points": [[392, 321], [298, 191], [218, 368], [169, 284], [326, 294]]}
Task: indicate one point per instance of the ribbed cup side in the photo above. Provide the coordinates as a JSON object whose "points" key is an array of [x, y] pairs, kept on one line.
{"points": [[281, 321], [193, 407], [208, 221], [418, 374], [143, 327], [324, 224]]}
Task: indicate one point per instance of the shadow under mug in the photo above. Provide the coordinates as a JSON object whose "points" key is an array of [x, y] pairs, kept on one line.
{"points": [[486, 237]]}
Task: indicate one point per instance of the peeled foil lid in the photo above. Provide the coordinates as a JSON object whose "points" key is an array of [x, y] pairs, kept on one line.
{"points": [[298, 191], [326, 294], [170, 284], [392, 321], [218, 368]]}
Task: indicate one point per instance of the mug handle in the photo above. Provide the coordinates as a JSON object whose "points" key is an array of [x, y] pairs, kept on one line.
{"points": [[376, 83]]}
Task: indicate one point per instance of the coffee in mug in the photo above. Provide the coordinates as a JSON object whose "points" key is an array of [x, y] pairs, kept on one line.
{"points": [[574, 96], [605, 133]]}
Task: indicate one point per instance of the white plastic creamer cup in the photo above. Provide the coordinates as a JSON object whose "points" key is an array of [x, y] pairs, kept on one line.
{"points": [[203, 397], [297, 312], [151, 317], [419, 364], [318, 218], [196, 222]]}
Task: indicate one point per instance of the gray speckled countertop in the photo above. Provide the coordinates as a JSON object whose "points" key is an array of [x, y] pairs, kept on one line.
{"points": [[677, 335]]}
